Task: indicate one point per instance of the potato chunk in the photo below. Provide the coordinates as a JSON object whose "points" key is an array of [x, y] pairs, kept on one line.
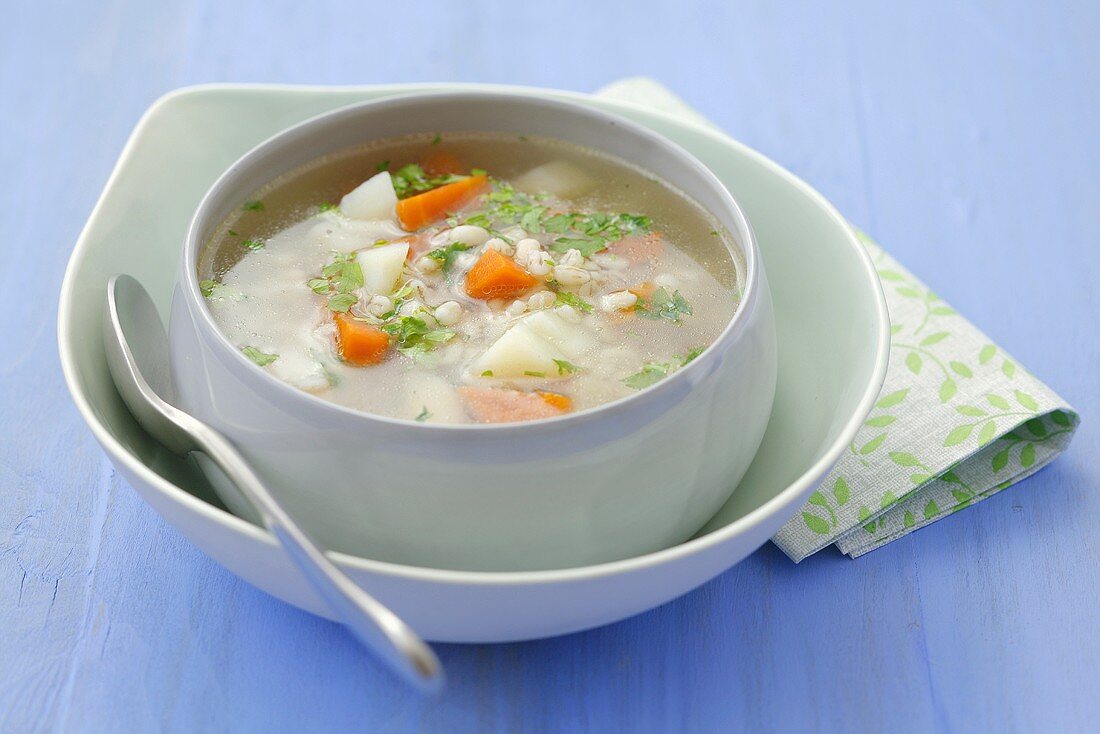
{"points": [[372, 199], [556, 177], [382, 267], [529, 348]]}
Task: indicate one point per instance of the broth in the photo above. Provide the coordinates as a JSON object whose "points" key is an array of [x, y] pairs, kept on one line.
{"points": [[517, 278]]}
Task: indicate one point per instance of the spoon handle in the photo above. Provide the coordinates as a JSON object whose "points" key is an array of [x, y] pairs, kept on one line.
{"points": [[372, 623]]}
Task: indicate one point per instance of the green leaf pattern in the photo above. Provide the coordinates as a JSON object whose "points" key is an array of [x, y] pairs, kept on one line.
{"points": [[957, 421]]}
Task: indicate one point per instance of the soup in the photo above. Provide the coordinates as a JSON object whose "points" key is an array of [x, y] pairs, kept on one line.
{"points": [[470, 278]]}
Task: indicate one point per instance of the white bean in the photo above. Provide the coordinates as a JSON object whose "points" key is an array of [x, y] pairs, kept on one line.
{"points": [[525, 249], [541, 300], [379, 306], [468, 234], [515, 308], [618, 301], [570, 275], [427, 265], [573, 258], [448, 313], [500, 246]]}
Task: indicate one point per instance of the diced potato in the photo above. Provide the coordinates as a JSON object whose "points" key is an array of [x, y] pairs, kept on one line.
{"points": [[559, 178], [574, 341], [516, 353], [382, 267], [532, 345], [372, 199]]}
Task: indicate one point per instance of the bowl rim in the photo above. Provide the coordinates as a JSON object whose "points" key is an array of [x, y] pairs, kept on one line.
{"points": [[792, 493], [312, 127]]}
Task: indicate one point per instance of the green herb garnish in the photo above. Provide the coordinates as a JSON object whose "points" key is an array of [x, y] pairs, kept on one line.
{"points": [[445, 256], [328, 206], [233, 233], [437, 139], [691, 355], [253, 206], [424, 415], [413, 335], [261, 358], [566, 367], [565, 298], [207, 287], [411, 179], [532, 373], [651, 373], [253, 245], [342, 302], [487, 373], [663, 305]]}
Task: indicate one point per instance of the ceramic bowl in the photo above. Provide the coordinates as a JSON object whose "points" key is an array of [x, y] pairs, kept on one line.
{"points": [[831, 327], [614, 481]]}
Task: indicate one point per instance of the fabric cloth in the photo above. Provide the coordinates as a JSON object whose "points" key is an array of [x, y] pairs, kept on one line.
{"points": [[957, 421]]}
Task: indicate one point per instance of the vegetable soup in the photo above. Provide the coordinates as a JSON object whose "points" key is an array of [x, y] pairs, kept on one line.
{"points": [[470, 278]]}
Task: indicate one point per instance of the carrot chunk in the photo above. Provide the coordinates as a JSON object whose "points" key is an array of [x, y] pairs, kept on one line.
{"points": [[442, 162], [423, 209], [499, 405], [564, 403], [360, 343], [495, 275], [639, 249]]}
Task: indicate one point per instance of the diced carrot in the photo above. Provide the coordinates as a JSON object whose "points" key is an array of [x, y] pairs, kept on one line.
{"points": [[496, 275], [441, 162], [360, 343], [639, 248], [423, 209], [499, 405], [564, 403]]}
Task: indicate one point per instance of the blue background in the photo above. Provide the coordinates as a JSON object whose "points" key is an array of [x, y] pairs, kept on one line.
{"points": [[964, 137]]}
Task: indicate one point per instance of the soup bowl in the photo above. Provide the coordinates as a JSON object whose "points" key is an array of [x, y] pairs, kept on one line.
{"points": [[621, 479]]}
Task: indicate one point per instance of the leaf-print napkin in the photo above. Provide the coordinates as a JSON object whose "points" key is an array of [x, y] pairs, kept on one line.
{"points": [[957, 420]]}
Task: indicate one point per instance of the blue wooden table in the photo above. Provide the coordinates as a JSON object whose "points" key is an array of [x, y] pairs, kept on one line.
{"points": [[966, 139]]}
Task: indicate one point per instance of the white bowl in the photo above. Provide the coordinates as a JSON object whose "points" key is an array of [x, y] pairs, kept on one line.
{"points": [[628, 477], [830, 321]]}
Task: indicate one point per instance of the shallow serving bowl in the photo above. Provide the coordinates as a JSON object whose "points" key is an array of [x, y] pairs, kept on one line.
{"points": [[629, 477], [830, 321]]}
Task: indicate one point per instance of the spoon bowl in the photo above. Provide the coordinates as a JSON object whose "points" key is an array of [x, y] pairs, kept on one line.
{"points": [[137, 355]]}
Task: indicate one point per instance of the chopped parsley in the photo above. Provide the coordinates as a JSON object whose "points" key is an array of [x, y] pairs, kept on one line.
{"points": [[233, 233], [691, 355], [437, 139], [328, 206], [261, 358], [587, 232], [565, 298], [532, 373], [565, 367], [253, 206], [339, 280], [411, 179], [207, 287], [424, 415], [414, 337], [253, 245], [487, 373], [445, 256], [653, 372], [342, 302], [663, 305]]}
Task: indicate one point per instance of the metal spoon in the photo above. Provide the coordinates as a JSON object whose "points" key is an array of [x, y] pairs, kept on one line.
{"points": [[137, 354]]}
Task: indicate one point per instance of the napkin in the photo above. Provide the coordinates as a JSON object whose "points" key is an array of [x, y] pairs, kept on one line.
{"points": [[957, 420]]}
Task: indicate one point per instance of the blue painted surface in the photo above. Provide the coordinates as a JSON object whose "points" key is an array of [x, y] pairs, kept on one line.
{"points": [[966, 139]]}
